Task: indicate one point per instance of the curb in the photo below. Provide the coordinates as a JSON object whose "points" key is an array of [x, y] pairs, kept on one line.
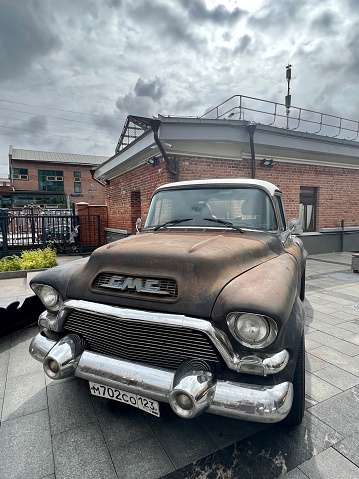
{"points": [[19, 273]]}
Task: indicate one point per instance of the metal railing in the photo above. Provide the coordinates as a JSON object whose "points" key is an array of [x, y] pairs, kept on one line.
{"points": [[275, 114]]}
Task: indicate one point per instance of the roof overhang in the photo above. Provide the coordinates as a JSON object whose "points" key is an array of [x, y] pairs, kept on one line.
{"points": [[229, 139]]}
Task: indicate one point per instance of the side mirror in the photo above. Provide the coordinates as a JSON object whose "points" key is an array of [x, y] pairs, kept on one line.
{"points": [[138, 226], [295, 227]]}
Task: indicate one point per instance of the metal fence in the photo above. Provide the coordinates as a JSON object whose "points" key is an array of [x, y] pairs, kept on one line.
{"points": [[28, 228]]}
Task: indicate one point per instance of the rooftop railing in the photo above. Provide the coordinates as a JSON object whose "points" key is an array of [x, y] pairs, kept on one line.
{"points": [[277, 114]]}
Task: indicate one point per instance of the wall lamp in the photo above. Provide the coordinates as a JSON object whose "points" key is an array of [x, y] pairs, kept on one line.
{"points": [[267, 163], [153, 161]]}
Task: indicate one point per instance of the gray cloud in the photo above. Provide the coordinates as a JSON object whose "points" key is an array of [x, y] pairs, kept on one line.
{"points": [[35, 124], [144, 99], [279, 15], [242, 45], [326, 23], [168, 25], [26, 34], [198, 11], [150, 88]]}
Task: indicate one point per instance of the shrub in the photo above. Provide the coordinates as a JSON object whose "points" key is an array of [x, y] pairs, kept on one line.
{"points": [[32, 259]]}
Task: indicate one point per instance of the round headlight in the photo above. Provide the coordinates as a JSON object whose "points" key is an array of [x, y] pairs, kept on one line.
{"points": [[48, 295], [252, 330]]}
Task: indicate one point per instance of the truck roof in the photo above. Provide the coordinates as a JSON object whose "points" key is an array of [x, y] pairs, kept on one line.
{"points": [[266, 185]]}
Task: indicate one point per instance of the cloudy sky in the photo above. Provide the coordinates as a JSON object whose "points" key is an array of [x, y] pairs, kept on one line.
{"points": [[71, 71]]}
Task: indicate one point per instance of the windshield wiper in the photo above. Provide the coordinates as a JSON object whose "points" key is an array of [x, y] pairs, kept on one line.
{"points": [[172, 222], [225, 223]]}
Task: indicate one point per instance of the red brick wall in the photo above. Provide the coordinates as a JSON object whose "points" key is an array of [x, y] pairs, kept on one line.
{"points": [[88, 215], [122, 209], [337, 187], [92, 191]]}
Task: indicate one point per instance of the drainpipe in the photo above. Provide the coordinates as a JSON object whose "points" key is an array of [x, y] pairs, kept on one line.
{"points": [[171, 168], [251, 128]]}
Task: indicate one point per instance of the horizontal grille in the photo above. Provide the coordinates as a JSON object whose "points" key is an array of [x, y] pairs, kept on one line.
{"points": [[141, 341], [167, 288]]}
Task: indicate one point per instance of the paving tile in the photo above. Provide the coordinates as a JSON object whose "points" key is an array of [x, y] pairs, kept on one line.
{"points": [[349, 448], [342, 361], [312, 363], [81, 452], [350, 326], [329, 464], [25, 396], [4, 362], [144, 458], [70, 406], [20, 361], [335, 331], [120, 423], [225, 431], [235, 461], [25, 447], [309, 402], [311, 344], [318, 389], [184, 441], [282, 449], [294, 474], [23, 336], [334, 343], [339, 378], [340, 412]]}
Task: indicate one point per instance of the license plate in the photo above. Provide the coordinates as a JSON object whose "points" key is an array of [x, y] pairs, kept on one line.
{"points": [[145, 404]]}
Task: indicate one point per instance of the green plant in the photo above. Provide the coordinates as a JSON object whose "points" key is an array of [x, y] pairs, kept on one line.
{"points": [[32, 259]]}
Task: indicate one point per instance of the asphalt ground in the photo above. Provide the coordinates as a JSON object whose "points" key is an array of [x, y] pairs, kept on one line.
{"points": [[58, 430]]}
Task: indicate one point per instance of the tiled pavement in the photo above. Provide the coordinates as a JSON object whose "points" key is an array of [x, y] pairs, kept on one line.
{"points": [[58, 430]]}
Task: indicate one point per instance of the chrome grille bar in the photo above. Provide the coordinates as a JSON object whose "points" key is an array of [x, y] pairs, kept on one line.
{"points": [[163, 345]]}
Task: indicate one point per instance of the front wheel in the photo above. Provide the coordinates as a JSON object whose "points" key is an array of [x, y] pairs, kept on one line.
{"points": [[74, 248], [296, 414]]}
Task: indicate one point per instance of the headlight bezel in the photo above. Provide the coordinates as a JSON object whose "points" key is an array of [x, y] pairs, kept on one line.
{"points": [[43, 291], [233, 318]]}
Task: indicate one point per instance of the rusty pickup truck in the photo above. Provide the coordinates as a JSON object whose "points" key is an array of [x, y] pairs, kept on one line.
{"points": [[202, 309]]}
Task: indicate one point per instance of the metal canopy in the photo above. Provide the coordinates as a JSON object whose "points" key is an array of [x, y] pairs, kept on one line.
{"points": [[133, 128]]}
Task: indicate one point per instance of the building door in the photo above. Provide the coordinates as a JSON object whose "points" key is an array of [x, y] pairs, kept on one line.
{"points": [[308, 208]]}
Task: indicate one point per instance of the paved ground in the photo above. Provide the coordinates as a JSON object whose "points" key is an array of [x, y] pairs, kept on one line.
{"points": [[57, 430]]}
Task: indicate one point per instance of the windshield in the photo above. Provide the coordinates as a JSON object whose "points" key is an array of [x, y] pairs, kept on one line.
{"points": [[243, 207]]}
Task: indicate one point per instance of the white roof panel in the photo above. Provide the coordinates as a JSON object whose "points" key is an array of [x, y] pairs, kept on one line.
{"points": [[55, 157]]}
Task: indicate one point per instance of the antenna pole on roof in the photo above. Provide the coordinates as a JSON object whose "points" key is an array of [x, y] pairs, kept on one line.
{"points": [[288, 98]]}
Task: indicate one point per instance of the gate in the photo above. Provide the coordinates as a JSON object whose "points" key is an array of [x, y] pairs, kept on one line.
{"points": [[28, 227]]}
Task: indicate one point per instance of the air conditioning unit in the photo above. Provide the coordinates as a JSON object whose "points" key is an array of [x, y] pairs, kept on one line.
{"points": [[54, 178], [20, 177]]}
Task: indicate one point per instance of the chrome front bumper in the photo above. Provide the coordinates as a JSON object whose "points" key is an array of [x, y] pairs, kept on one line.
{"points": [[249, 402]]}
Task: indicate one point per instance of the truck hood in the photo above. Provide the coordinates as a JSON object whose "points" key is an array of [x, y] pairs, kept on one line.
{"points": [[200, 263]]}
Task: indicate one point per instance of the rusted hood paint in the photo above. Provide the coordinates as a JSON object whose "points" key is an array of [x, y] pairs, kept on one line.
{"points": [[201, 263]]}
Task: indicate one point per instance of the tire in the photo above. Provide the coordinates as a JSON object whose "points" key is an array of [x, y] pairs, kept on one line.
{"points": [[74, 248], [302, 286], [296, 413]]}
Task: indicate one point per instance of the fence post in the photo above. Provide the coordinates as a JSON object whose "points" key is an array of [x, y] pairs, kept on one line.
{"points": [[5, 216], [342, 236]]}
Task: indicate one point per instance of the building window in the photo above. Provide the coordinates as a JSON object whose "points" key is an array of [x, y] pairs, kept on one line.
{"points": [[20, 174], [51, 180], [77, 182], [308, 208]]}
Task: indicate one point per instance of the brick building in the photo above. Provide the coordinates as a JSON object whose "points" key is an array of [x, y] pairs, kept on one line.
{"points": [[52, 179], [317, 173]]}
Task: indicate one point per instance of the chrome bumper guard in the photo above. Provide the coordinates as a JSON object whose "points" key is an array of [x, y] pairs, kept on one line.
{"points": [[194, 392]]}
